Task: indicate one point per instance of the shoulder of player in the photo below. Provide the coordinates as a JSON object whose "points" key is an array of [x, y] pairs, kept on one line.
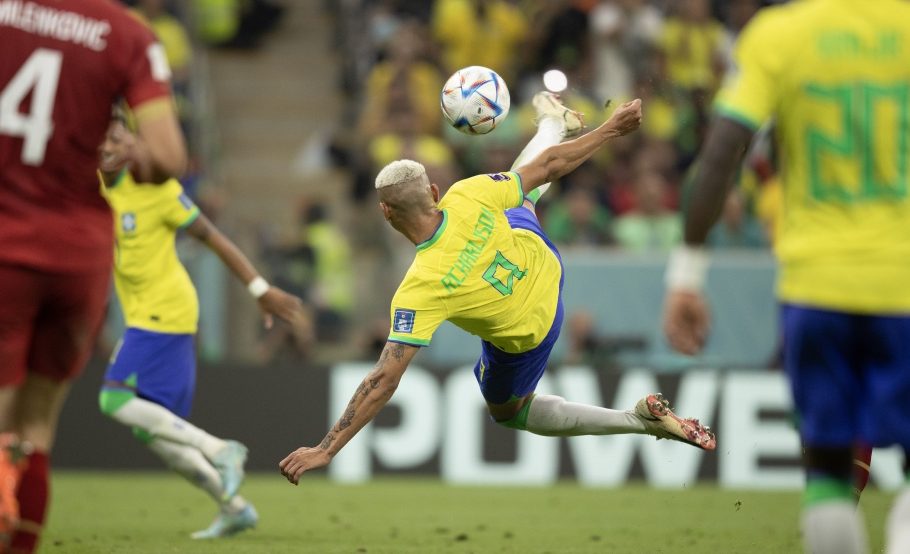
{"points": [[773, 19], [483, 179]]}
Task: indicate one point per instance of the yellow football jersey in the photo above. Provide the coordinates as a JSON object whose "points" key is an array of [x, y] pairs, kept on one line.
{"points": [[498, 283], [835, 75], [153, 286]]}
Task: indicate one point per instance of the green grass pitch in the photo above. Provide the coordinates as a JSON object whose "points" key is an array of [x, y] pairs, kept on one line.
{"points": [[153, 513]]}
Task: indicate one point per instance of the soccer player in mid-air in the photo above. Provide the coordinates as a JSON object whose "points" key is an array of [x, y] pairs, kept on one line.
{"points": [[835, 77], [150, 382], [484, 263], [63, 63]]}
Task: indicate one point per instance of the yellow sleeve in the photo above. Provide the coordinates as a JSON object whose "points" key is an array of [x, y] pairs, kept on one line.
{"points": [[417, 311], [176, 208], [750, 90], [497, 191]]}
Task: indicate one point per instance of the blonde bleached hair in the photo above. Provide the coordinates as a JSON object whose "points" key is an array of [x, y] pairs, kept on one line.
{"points": [[398, 172]]}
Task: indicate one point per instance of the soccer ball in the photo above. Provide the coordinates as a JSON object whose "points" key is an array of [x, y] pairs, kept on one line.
{"points": [[475, 100]]}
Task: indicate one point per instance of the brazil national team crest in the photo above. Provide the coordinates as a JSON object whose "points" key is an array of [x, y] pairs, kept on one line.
{"points": [[128, 222], [404, 321]]}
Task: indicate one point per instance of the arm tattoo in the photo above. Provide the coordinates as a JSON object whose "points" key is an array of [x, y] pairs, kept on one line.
{"points": [[345, 420], [327, 441], [396, 350], [383, 358]]}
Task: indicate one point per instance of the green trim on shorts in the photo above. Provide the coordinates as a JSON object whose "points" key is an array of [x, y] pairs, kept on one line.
{"points": [[111, 400], [824, 490], [520, 421]]}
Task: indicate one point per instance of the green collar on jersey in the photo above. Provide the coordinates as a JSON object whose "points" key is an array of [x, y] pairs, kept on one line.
{"points": [[119, 178], [439, 231]]}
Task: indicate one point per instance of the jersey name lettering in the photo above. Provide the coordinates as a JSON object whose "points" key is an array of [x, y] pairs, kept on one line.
{"points": [[58, 24], [471, 251]]}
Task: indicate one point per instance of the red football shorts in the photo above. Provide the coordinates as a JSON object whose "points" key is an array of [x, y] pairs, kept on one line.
{"points": [[49, 321]]}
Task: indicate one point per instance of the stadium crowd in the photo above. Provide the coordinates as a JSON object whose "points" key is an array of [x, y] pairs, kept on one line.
{"points": [[396, 55], [671, 54]]}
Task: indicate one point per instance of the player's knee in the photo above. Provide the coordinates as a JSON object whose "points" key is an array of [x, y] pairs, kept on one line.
{"points": [[520, 420], [109, 401]]}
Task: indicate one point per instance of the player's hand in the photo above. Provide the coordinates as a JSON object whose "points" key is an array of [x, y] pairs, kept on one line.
{"points": [[626, 118], [276, 302], [686, 321], [302, 460]]}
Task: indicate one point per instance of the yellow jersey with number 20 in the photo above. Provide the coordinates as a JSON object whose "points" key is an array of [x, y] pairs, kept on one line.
{"points": [[835, 77], [496, 282]]}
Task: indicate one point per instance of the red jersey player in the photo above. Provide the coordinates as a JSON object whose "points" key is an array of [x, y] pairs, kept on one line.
{"points": [[64, 63]]}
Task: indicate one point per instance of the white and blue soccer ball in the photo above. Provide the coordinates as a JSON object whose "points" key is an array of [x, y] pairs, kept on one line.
{"points": [[475, 100]]}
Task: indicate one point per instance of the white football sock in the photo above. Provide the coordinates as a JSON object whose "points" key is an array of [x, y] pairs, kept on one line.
{"points": [[897, 529], [195, 468], [552, 416], [158, 421], [550, 132], [834, 527]]}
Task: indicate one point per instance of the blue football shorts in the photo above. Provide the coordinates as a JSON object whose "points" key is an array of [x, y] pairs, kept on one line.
{"points": [[506, 376], [850, 376], [162, 366]]}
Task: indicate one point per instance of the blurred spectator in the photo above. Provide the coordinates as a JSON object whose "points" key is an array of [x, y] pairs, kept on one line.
{"points": [[587, 346], [318, 266], [332, 291], [692, 45], [693, 59], [479, 32], [239, 24], [558, 39], [737, 228], [178, 48], [577, 217], [433, 153], [624, 35], [650, 226], [403, 84]]}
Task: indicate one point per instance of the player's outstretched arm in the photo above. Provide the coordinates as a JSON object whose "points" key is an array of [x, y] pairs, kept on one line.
{"points": [[558, 160], [272, 300], [686, 316], [373, 393]]}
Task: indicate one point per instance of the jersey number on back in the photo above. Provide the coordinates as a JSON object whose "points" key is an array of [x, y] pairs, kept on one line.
{"points": [[867, 133], [509, 270], [38, 76]]}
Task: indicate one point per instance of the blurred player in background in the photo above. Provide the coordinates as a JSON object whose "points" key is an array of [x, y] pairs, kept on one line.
{"points": [[63, 64], [484, 263], [150, 382], [835, 75]]}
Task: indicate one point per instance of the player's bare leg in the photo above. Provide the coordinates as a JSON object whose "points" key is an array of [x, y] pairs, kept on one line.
{"points": [[10, 471], [862, 464], [35, 411]]}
